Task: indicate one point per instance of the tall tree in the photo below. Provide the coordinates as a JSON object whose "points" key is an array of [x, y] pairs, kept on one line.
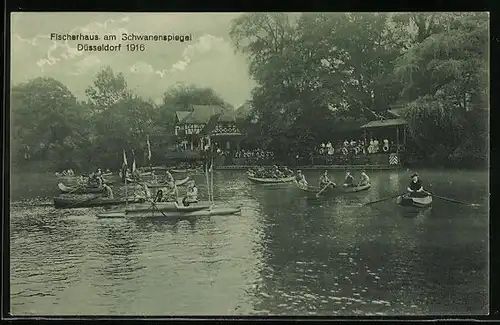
{"points": [[107, 89], [46, 120], [446, 78]]}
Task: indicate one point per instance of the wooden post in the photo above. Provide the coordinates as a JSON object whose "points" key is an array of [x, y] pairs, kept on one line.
{"points": [[397, 139], [404, 135]]}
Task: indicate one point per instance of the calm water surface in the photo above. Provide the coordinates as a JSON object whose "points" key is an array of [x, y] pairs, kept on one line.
{"points": [[285, 255]]}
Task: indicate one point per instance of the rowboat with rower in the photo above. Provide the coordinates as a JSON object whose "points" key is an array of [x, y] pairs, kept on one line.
{"points": [[416, 196]]}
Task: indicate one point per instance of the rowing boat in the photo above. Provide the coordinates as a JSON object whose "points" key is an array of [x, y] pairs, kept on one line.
{"points": [[269, 180], [178, 182], [314, 190], [418, 202], [182, 171], [79, 189], [167, 206], [174, 212], [95, 201]]}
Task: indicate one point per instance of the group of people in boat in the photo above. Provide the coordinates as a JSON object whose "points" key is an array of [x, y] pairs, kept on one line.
{"points": [[325, 181], [96, 180], [170, 193], [68, 172], [271, 172]]}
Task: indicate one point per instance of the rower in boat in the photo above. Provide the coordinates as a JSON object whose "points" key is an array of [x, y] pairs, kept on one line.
{"points": [[416, 189], [349, 179], [288, 171], [159, 196], [136, 175], [108, 191], [277, 172], [324, 181], [154, 178], [191, 194], [92, 181], [364, 179], [170, 190], [147, 192], [300, 178], [81, 181]]}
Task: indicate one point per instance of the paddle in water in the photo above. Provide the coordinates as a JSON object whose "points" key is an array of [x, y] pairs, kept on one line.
{"points": [[454, 201], [385, 199], [323, 189]]}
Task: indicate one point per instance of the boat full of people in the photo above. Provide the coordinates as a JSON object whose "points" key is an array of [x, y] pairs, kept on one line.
{"points": [[271, 175], [167, 204], [328, 187]]}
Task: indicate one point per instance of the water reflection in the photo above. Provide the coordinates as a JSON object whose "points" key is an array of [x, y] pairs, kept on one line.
{"points": [[284, 255]]}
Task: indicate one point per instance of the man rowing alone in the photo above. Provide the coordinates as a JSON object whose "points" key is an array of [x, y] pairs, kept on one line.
{"points": [[416, 189], [324, 181]]}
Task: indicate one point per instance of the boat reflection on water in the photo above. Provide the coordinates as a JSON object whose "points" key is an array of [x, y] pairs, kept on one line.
{"points": [[161, 224]]}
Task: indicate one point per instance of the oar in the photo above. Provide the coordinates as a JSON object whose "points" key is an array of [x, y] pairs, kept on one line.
{"points": [[454, 201], [154, 205], [324, 188], [384, 199]]}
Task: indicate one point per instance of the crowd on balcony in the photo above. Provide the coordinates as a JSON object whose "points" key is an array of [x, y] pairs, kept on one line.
{"points": [[247, 156], [356, 147]]}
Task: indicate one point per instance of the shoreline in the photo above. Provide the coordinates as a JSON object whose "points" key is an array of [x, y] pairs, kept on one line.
{"points": [[318, 167]]}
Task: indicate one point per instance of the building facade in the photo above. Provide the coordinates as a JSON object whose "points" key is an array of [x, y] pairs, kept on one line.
{"points": [[208, 125]]}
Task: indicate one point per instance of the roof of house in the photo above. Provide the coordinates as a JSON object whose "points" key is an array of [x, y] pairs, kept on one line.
{"points": [[182, 115], [347, 126], [211, 124], [243, 110], [201, 114], [396, 112], [383, 123]]}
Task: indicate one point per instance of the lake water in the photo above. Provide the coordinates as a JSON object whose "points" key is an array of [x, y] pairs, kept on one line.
{"points": [[285, 255]]}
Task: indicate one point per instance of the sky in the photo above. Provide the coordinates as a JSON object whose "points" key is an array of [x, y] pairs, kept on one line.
{"points": [[208, 60]]}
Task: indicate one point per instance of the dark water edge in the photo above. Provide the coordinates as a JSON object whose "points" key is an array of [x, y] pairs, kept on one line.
{"points": [[284, 255]]}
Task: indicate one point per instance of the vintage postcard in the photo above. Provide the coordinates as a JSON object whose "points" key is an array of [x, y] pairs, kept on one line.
{"points": [[249, 164]]}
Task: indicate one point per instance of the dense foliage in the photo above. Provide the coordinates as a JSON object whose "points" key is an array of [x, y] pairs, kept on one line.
{"points": [[313, 72], [48, 124]]}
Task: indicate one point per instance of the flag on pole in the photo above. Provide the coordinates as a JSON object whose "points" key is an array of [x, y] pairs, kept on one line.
{"points": [[149, 148], [124, 158], [133, 163]]}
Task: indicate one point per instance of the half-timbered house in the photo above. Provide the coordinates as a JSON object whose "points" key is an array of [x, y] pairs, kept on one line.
{"points": [[208, 124]]}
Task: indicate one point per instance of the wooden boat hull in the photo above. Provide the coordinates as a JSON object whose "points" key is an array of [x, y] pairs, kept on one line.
{"points": [[417, 202], [314, 190], [166, 206], [78, 190], [178, 182], [271, 180], [182, 171], [70, 203], [217, 211]]}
